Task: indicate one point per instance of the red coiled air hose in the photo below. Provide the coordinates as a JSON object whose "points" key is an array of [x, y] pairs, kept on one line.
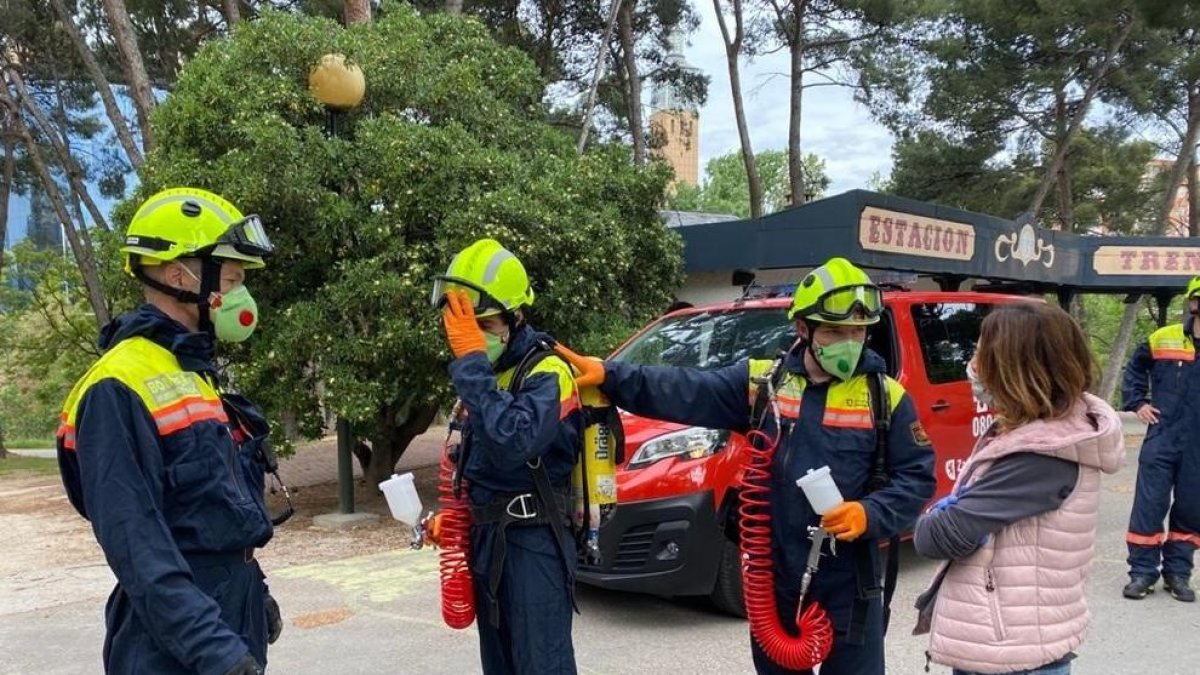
{"points": [[458, 589], [815, 638]]}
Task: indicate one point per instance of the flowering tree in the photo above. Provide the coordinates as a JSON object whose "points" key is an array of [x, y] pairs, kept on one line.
{"points": [[449, 145]]}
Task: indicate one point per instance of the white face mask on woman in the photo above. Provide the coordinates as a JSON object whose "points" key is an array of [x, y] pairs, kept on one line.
{"points": [[977, 389]]}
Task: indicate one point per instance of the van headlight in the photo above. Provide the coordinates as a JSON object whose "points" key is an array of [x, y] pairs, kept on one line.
{"points": [[691, 443]]}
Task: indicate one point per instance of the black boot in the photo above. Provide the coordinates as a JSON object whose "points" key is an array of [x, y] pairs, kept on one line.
{"points": [[1178, 587], [1139, 587]]}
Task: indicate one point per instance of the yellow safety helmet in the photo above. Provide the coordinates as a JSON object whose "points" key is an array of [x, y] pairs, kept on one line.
{"points": [[1193, 288], [837, 292], [494, 279], [189, 222]]}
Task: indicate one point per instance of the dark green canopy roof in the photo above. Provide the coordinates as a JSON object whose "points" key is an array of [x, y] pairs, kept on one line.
{"points": [[951, 245]]}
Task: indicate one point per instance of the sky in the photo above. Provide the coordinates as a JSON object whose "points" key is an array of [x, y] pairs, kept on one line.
{"points": [[833, 126]]}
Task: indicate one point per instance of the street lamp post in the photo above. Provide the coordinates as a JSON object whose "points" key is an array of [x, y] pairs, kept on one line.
{"points": [[340, 87]]}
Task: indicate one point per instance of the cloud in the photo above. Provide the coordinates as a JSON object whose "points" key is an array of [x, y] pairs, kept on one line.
{"points": [[834, 126]]}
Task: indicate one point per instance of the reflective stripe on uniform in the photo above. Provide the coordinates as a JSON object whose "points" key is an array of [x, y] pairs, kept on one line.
{"points": [[1193, 539], [789, 406], [568, 393], [1145, 539], [848, 418], [186, 413], [1171, 344], [175, 398]]}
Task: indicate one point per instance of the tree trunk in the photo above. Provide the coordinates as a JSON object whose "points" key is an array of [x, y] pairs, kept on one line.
{"points": [[1189, 146], [795, 156], [454, 6], [1116, 362], [601, 52], [1066, 202], [1079, 310], [124, 136], [390, 440], [733, 49], [1063, 180], [80, 244], [233, 12], [1194, 200], [59, 139], [1179, 170], [1064, 143], [633, 82], [6, 183], [132, 66], [357, 11]]}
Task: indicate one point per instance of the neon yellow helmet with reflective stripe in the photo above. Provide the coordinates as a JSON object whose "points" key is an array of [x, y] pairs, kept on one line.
{"points": [[837, 292], [189, 222], [1193, 288], [492, 276]]}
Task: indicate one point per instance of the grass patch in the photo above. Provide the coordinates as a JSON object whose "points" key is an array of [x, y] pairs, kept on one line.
{"points": [[34, 465], [30, 443]]}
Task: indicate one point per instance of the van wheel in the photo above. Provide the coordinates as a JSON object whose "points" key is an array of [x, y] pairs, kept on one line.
{"points": [[727, 592]]}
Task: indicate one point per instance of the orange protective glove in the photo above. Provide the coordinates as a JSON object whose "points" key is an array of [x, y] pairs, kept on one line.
{"points": [[462, 332], [590, 371], [846, 521], [433, 529]]}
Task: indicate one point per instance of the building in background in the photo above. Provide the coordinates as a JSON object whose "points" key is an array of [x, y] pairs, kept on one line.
{"points": [[675, 123], [42, 226]]}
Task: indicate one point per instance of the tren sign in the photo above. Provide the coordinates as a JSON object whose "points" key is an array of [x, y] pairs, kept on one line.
{"points": [[1147, 260]]}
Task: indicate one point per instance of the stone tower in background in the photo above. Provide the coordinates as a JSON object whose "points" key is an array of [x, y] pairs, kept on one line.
{"points": [[675, 123]]}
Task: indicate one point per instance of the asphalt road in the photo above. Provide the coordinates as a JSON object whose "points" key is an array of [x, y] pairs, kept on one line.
{"points": [[379, 614]]}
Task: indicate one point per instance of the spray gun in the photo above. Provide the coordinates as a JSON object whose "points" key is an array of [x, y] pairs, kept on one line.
{"points": [[818, 536]]}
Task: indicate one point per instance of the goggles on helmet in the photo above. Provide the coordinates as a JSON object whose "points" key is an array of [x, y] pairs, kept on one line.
{"points": [[481, 302], [248, 237], [842, 303]]}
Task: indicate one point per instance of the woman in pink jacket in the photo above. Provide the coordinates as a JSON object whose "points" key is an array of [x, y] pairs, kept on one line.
{"points": [[1018, 531]]}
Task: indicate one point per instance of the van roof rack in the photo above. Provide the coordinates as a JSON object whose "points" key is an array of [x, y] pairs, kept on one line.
{"points": [[756, 292]]}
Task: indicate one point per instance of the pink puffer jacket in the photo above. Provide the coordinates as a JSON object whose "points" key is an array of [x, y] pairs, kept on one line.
{"points": [[1018, 602]]}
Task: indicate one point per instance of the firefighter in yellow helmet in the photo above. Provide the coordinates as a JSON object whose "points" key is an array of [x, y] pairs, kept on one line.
{"points": [[828, 403], [1158, 387], [520, 440], [168, 468]]}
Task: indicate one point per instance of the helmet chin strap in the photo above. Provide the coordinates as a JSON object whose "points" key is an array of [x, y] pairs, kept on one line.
{"points": [[210, 281], [810, 344]]}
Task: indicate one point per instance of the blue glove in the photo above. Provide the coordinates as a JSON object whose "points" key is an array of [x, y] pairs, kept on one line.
{"points": [[247, 666], [274, 618], [943, 503]]}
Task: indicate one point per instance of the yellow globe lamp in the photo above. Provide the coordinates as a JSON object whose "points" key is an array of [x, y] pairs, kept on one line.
{"points": [[338, 85]]}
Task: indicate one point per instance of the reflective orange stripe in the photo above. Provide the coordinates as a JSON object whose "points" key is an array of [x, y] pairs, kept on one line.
{"points": [[1193, 539], [568, 406], [66, 433], [847, 418], [789, 406], [1144, 539], [1173, 355], [187, 412]]}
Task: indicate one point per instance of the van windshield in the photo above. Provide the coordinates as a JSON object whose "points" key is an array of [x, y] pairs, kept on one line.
{"points": [[711, 340]]}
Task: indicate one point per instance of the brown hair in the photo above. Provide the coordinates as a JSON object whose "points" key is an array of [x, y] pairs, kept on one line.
{"points": [[1034, 360]]}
